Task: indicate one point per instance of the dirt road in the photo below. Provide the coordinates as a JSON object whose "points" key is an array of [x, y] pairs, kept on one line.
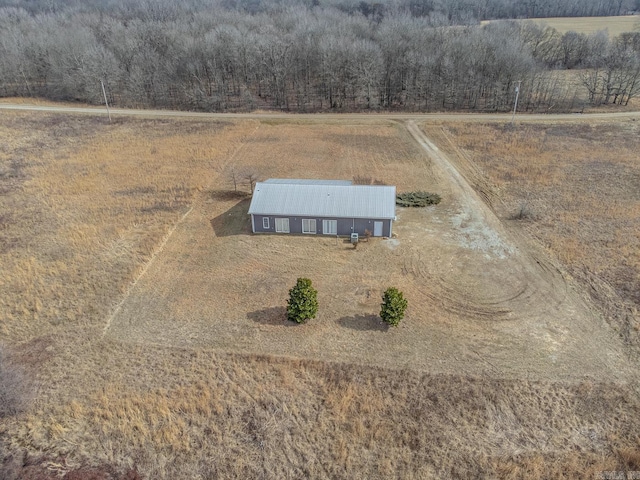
{"points": [[499, 274], [466, 117]]}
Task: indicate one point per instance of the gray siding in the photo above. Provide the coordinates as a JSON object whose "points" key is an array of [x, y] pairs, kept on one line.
{"points": [[345, 225], [363, 224]]}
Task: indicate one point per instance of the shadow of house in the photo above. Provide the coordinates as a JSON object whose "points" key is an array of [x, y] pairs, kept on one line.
{"points": [[271, 316], [234, 221], [229, 195], [364, 322]]}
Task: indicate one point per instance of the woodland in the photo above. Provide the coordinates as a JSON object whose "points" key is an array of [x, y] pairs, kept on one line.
{"points": [[316, 55]]}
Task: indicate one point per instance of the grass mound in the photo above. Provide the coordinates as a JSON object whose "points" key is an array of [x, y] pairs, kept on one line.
{"points": [[417, 199]]}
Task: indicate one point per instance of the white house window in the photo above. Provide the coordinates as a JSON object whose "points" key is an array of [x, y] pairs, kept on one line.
{"points": [[265, 222], [308, 225], [330, 227], [282, 225]]}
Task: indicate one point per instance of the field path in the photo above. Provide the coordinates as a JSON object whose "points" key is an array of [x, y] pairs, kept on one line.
{"points": [[475, 209]]}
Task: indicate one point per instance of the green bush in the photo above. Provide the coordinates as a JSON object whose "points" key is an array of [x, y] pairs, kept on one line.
{"points": [[393, 306], [417, 199], [303, 301]]}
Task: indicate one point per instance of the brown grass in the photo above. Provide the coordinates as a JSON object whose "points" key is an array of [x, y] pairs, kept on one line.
{"points": [[579, 186], [191, 414], [86, 205]]}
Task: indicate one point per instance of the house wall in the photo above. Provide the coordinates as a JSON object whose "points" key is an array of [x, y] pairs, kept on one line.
{"points": [[345, 225]]}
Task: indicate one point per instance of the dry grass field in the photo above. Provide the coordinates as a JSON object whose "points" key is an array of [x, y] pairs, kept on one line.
{"points": [[613, 25], [151, 320]]}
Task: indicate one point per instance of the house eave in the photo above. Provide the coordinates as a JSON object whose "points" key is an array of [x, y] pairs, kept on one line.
{"points": [[382, 217]]}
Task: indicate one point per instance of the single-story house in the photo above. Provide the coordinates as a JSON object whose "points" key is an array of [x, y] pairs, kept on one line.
{"points": [[322, 207]]}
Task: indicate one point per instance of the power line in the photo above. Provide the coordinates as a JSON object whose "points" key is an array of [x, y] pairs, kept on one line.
{"points": [[105, 100], [515, 104]]}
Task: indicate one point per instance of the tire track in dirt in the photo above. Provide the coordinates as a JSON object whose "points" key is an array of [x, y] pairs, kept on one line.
{"points": [[516, 289], [455, 299], [535, 284], [468, 197], [471, 171]]}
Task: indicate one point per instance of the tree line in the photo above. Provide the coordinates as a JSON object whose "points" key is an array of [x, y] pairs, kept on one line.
{"points": [[234, 55], [452, 11]]}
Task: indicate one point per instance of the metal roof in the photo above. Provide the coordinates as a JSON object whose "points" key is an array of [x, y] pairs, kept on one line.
{"points": [[324, 200], [308, 181]]}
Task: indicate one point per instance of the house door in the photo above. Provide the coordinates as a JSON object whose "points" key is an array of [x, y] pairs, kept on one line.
{"points": [[377, 229]]}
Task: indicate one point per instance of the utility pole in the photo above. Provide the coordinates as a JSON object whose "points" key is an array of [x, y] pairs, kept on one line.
{"points": [[105, 100], [515, 104]]}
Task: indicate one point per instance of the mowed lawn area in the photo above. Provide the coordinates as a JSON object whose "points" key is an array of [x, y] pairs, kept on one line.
{"points": [[476, 302]]}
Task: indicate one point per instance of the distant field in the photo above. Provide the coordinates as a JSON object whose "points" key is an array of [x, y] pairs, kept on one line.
{"points": [[614, 25]]}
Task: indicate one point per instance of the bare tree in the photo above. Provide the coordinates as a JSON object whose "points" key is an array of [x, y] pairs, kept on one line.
{"points": [[234, 176], [251, 178]]}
